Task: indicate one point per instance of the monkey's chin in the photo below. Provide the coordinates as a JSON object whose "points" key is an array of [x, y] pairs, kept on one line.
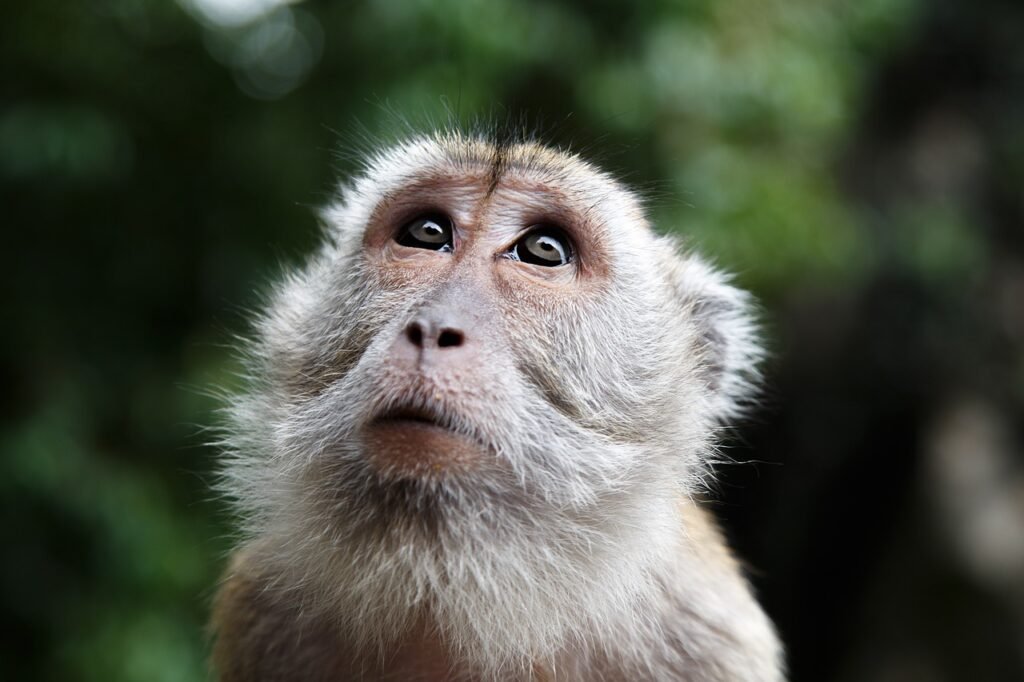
{"points": [[416, 449]]}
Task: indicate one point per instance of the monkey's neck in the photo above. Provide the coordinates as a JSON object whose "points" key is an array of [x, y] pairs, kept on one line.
{"points": [[699, 623]]}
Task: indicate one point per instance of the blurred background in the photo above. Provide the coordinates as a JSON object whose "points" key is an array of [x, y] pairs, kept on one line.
{"points": [[859, 164]]}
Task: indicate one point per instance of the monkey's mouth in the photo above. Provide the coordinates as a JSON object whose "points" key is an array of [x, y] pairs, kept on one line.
{"points": [[416, 442], [412, 416]]}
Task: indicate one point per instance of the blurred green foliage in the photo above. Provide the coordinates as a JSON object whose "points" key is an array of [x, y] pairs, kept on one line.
{"points": [[160, 161]]}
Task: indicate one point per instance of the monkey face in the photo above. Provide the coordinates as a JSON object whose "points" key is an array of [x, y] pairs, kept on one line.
{"points": [[487, 336], [488, 328]]}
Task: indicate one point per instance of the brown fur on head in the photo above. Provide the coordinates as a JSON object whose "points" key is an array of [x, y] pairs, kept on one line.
{"points": [[461, 437]]}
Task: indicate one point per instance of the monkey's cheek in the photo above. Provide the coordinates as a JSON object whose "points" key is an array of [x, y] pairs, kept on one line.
{"points": [[410, 449]]}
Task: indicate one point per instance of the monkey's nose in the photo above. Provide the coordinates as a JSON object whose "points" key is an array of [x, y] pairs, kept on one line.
{"points": [[424, 333]]}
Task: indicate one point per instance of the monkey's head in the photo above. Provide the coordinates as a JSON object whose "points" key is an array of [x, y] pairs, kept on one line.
{"points": [[487, 392]]}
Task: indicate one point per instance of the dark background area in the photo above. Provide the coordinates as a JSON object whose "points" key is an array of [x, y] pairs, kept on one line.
{"points": [[859, 165]]}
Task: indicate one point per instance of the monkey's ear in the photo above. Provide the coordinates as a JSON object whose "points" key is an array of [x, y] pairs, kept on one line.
{"points": [[726, 339]]}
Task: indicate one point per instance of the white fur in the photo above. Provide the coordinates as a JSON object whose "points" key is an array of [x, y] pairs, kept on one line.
{"points": [[576, 543]]}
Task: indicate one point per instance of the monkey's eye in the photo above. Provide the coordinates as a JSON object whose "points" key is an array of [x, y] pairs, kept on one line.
{"points": [[428, 232], [545, 245]]}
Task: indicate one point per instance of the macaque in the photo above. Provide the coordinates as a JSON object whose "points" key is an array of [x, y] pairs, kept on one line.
{"points": [[476, 436]]}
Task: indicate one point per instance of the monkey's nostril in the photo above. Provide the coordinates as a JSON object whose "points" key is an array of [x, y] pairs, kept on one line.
{"points": [[450, 338], [414, 332]]}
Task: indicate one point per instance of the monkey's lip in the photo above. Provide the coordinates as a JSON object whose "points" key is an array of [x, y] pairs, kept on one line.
{"points": [[413, 415], [412, 442]]}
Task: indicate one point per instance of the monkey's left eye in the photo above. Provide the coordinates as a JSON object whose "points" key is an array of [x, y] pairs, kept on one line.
{"points": [[428, 232], [544, 245]]}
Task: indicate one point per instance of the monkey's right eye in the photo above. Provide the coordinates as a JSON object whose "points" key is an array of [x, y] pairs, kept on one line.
{"points": [[428, 232]]}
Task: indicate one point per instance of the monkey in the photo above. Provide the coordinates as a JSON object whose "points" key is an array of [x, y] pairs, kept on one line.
{"points": [[477, 434]]}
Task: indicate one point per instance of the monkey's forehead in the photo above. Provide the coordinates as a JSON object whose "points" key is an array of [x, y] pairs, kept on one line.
{"points": [[456, 153]]}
